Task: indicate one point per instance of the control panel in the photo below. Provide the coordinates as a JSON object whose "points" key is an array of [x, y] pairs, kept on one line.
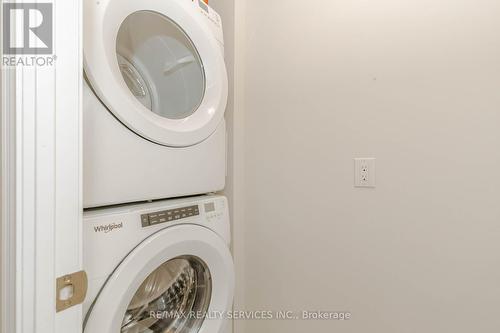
{"points": [[170, 215]]}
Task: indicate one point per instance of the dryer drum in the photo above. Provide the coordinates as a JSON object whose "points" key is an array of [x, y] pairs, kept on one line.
{"points": [[171, 298], [160, 65]]}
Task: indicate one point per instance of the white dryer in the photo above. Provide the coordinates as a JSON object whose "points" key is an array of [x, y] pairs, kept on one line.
{"points": [[155, 93], [159, 267]]}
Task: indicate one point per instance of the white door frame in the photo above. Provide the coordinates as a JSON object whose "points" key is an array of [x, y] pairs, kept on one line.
{"points": [[41, 185], [7, 196]]}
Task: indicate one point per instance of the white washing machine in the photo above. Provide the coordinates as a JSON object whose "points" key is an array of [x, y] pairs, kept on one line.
{"points": [[155, 93], [159, 267]]}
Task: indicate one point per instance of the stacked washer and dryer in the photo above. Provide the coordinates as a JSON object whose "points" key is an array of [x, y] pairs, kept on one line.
{"points": [[156, 241]]}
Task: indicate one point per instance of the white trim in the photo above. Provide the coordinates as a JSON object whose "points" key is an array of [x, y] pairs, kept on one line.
{"points": [[69, 204], [7, 197], [7, 206], [25, 198]]}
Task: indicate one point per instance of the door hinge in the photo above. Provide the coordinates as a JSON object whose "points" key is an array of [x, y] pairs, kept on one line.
{"points": [[71, 290]]}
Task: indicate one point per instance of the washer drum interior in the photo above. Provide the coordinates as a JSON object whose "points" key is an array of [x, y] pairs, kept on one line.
{"points": [[170, 299]]}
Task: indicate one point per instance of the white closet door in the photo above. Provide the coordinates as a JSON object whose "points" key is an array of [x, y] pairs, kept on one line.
{"points": [[47, 200]]}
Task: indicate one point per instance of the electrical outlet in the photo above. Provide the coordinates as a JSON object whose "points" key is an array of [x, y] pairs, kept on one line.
{"points": [[364, 172]]}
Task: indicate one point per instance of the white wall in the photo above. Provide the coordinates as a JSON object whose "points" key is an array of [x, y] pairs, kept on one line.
{"points": [[414, 83]]}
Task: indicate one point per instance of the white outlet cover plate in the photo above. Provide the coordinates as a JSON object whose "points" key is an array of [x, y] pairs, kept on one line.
{"points": [[364, 172]]}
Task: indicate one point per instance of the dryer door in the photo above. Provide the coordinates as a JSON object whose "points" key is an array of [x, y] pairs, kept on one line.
{"points": [[179, 280], [157, 66]]}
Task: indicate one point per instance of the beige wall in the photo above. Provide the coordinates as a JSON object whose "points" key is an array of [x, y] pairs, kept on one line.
{"points": [[414, 83]]}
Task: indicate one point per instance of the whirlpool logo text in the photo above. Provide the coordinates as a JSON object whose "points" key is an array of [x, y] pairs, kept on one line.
{"points": [[108, 228]]}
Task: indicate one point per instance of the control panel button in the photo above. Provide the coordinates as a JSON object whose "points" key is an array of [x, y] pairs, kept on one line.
{"points": [[170, 215], [210, 207]]}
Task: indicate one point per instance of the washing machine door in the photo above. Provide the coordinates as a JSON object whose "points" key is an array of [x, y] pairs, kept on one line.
{"points": [[179, 280], [157, 66]]}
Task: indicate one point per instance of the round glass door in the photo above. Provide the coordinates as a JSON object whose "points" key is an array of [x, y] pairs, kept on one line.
{"points": [[160, 65], [170, 299]]}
